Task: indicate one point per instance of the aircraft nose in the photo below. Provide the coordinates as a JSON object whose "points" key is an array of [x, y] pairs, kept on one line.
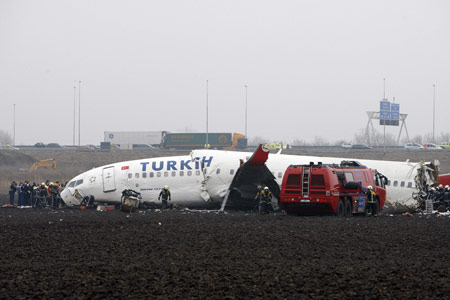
{"points": [[68, 198]]}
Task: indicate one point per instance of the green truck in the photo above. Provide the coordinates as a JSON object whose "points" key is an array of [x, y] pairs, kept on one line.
{"points": [[196, 140]]}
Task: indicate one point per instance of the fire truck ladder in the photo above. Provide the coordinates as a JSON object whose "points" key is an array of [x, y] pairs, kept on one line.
{"points": [[305, 182]]}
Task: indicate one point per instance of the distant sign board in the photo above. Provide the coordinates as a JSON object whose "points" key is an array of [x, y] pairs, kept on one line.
{"points": [[385, 116], [395, 114], [389, 113]]}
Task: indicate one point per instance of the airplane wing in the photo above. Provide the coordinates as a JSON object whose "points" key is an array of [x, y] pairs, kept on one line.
{"points": [[252, 173]]}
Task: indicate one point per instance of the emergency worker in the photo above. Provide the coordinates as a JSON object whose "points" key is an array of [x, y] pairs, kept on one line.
{"points": [[54, 194], [34, 194], [42, 195], [258, 192], [258, 195], [164, 196], [27, 193], [265, 200], [371, 202], [438, 196], [19, 194], [447, 196], [12, 191]]}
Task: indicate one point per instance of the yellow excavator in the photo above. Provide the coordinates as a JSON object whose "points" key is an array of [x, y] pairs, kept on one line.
{"points": [[51, 162]]}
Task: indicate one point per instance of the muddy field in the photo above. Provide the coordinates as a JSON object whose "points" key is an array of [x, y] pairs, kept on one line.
{"points": [[183, 255]]}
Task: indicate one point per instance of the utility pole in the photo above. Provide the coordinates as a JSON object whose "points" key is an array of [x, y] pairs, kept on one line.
{"points": [[384, 123], [79, 113], [14, 126], [434, 108]]}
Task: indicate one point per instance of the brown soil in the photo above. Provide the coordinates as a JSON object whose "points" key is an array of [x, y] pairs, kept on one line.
{"points": [[177, 255]]}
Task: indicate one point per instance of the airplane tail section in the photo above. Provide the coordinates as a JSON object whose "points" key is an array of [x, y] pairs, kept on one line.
{"points": [[259, 157], [242, 191]]}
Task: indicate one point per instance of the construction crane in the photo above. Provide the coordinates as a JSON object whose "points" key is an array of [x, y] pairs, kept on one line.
{"points": [[51, 162]]}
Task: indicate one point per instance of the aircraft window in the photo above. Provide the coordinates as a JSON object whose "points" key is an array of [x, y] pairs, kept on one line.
{"points": [[218, 171], [71, 184], [410, 184], [79, 182], [166, 174], [144, 175], [136, 175], [151, 174], [158, 174], [130, 175], [280, 175], [389, 182], [174, 173], [181, 173], [402, 184], [197, 173], [395, 183], [231, 171], [189, 173]]}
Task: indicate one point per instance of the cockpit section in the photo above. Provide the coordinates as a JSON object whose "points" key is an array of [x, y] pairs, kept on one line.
{"points": [[71, 194], [75, 183]]}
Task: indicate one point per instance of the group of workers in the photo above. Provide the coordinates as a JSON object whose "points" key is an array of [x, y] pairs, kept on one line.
{"points": [[440, 196], [263, 196], [46, 194]]}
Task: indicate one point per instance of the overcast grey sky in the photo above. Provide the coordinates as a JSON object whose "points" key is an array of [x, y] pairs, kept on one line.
{"points": [[313, 68]]}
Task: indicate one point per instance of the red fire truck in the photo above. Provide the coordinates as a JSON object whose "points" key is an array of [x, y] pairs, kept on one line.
{"points": [[330, 188]]}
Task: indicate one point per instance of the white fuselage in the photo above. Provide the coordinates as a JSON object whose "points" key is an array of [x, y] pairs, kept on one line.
{"points": [[203, 178]]}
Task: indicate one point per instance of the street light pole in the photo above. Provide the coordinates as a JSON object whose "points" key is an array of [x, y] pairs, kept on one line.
{"points": [[79, 113], [384, 123], [434, 108], [74, 108], [207, 100], [14, 126], [246, 111]]}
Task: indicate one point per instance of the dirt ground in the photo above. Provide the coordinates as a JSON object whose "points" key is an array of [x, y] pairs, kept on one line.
{"points": [[78, 254]]}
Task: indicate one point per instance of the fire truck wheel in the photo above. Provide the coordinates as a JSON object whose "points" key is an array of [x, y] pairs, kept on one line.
{"points": [[340, 208], [348, 208]]}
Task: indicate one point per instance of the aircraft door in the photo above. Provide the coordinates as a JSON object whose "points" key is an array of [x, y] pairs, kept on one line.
{"points": [[109, 183]]}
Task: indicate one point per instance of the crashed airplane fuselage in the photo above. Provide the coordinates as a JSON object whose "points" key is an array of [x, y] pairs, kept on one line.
{"points": [[207, 177]]}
